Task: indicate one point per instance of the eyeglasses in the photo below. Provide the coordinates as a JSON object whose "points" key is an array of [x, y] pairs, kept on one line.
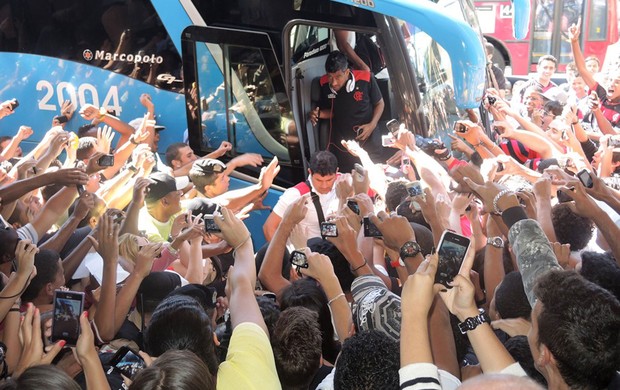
{"points": [[214, 168]]}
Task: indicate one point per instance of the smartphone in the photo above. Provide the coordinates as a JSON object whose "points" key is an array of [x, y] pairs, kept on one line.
{"points": [[210, 225], [452, 250], [68, 306], [387, 140], [352, 204], [459, 127], [370, 229], [406, 161], [127, 362], [414, 188], [299, 259], [491, 100], [80, 189], [585, 178], [14, 104], [329, 229], [393, 126], [107, 160]]}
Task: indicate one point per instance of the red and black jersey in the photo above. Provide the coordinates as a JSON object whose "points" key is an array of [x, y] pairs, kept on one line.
{"points": [[352, 108]]}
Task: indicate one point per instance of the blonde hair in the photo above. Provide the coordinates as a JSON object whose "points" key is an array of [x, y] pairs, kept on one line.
{"points": [[128, 247]]}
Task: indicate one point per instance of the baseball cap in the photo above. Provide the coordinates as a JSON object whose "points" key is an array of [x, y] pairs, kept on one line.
{"points": [[375, 307], [135, 123], [557, 94], [156, 286], [207, 168], [162, 185]]}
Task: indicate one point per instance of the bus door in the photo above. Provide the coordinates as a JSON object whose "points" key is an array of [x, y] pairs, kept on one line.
{"points": [[235, 92]]}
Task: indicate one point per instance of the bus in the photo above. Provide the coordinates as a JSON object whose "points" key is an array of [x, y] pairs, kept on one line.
{"points": [[548, 20], [241, 71]]}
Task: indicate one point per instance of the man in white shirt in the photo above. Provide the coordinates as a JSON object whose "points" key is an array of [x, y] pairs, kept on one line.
{"points": [[322, 177]]}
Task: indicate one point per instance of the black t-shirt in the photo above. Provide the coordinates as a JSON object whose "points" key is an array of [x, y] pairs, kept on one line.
{"points": [[610, 110], [352, 108]]}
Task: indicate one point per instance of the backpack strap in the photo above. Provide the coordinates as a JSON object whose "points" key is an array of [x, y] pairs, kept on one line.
{"points": [[304, 188]]}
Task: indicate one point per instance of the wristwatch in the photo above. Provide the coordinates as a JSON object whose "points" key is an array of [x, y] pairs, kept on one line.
{"points": [[496, 242], [409, 249], [472, 323]]}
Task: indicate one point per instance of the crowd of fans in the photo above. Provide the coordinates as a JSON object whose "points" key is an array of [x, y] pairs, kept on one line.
{"points": [[175, 296]]}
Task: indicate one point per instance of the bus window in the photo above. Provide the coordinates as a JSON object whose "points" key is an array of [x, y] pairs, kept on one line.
{"points": [[597, 30], [571, 12], [434, 71], [114, 36], [542, 32], [271, 106], [237, 93]]}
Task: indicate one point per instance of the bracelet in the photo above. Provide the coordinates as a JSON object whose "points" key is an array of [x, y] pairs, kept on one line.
{"points": [[14, 309], [574, 123], [240, 245], [334, 298], [361, 266], [132, 139], [478, 145], [497, 197]]}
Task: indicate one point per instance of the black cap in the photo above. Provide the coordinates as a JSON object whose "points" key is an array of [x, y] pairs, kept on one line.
{"points": [[162, 185]]}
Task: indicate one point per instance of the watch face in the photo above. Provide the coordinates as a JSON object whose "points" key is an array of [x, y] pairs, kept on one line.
{"points": [[410, 249], [496, 242]]}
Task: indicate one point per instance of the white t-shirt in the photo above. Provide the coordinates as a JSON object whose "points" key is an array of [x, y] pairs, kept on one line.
{"points": [[310, 224]]}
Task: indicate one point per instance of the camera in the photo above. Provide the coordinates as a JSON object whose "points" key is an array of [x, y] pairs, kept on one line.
{"points": [[14, 104], [352, 204], [106, 160], [387, 140], [393, 126], [370, 229], [459, 127], [491, 100], [585, 178], [613, 142], [414, 188], [210, 225], [429, 145], [329, 229], [299, 259]]}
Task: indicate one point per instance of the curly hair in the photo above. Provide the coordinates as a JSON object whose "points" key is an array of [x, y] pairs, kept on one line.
{"points": [[369, 360], [571, 228], [580, 324]]}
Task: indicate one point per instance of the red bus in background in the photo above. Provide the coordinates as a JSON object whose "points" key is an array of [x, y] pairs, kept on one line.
{"points": [[549, 21]]}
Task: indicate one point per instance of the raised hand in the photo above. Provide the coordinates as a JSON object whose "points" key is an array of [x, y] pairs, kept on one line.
{"points": [[24, 256], [104, 139], [106, 243], [234, 231], [396, 230], [268, 174], [574, 31], [85, 203], [459, 299], [33, 353], [296, 211], [419, 290]]}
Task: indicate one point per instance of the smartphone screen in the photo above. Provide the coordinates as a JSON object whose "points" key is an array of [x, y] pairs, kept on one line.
{"points": [[452, 250], [68, 306], [370, 229], [127, 362]]}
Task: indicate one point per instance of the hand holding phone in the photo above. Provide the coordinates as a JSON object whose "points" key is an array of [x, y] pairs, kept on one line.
{"points": [[370, 229], [68, 306], [298, 258], [585, 178], [329, 229], [452, 250], [126, 361], [107, 160], [393, 126], [210, 225]]}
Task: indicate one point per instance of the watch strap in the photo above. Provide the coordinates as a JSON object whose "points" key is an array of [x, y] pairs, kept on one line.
{"points": [[409, 249], [472, 323]]}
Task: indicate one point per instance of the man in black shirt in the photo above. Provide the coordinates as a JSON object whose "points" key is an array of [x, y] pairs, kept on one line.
{"points": [[352, 102]]}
